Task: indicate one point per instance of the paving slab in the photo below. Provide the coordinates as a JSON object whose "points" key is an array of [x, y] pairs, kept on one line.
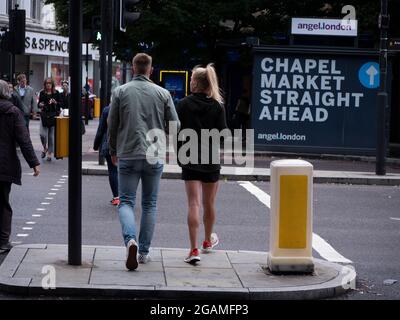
{"points": [[220, 275]]}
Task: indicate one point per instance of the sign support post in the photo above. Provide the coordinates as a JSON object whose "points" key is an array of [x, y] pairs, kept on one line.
{"points": [[382, 95]]}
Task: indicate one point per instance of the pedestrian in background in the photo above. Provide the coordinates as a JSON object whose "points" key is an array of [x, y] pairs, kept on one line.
{"points": [[203, 109], [136, 108], [13, 131], [50, 106], [101, 144], [64, 96], [27, 96], [15, 99]]}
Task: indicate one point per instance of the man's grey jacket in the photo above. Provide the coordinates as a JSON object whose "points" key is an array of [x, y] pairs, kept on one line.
{"points": [[136, 108], [28, 100]]}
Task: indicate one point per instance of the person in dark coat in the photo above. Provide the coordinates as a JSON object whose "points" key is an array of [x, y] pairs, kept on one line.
{"points": [[101, 144], [50, 107], [13, 131], [203, 109], [65, 96]]}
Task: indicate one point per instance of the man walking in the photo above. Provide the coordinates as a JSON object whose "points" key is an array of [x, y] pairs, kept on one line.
{"points": [[27, 96], [136, 108]]}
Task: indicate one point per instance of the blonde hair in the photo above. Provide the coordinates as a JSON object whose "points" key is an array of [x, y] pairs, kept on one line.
{"points": [[207, 82]]}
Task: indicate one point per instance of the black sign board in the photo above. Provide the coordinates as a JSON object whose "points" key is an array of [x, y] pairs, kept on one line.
{"points": [[394, 44], [314, 100]]}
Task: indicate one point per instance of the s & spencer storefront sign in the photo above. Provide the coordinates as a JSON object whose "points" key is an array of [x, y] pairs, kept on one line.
{"points": [[46, 44]]}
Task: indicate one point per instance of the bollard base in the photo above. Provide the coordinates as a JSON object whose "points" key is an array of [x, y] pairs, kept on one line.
{"points": [[290, 264]]}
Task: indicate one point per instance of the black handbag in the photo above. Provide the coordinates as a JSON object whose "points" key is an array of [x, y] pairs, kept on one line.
{"points": [[48, 118]]}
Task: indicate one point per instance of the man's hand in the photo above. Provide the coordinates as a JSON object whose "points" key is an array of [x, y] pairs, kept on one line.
{"points": [[36, 171], [114, 160]]}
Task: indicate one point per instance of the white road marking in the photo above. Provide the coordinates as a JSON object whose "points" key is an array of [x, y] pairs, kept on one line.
{"points": [[65, 176], [49, 198], [30, 222], [396, 219], [52, 193], [27, 228], [45, 203], [324, 249], [61, 182], [36, 215], [257, 192], [57, 186], [40, 209], [16, 242], [22, 235], [54, 189]]}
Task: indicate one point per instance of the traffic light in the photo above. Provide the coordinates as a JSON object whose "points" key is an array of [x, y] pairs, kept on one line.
{"points": [[96, 29], [17, 31], [127, 13]]}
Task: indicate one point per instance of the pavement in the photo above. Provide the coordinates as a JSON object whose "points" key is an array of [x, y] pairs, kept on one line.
{"points": [[240, 275], [263, 174]]}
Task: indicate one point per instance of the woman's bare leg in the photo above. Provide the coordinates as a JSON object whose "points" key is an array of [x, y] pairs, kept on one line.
{"points": [[209, 195], [193, 192]]}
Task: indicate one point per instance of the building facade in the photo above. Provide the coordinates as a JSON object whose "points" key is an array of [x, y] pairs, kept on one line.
{"points": [[46, 52]]}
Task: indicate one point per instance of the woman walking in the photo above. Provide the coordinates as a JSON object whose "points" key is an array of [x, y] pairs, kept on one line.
{"points": [[50, 105], [13, 132], [203, 109], [101, 144]]}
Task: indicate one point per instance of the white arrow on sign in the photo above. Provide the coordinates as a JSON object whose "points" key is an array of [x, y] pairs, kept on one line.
{"points": [[372, 72]]}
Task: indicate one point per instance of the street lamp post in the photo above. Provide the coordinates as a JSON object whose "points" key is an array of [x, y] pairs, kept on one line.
{"points": [[382, 94], [75, 136]]}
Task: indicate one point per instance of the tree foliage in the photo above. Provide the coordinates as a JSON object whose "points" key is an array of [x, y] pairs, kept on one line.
{"points": [[185, 32]]}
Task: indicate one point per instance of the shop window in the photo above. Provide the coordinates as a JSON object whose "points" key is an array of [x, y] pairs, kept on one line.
{"points": [[59, 72], [35, 9]]}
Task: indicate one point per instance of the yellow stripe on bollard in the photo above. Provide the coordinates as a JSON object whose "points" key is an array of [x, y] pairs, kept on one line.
{"points": [[96, 108], [293, 212], [61, 138]]}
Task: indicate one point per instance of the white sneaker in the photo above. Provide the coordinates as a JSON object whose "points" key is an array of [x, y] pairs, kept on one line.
{"points": [[193, 256], [131, 255], [208, 246], [144, 258]]}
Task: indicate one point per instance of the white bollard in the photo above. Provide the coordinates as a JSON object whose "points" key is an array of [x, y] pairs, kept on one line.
{"points": [[291, 217]]}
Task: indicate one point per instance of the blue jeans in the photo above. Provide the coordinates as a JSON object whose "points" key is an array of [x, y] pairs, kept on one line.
{"points": [[129, 174]]}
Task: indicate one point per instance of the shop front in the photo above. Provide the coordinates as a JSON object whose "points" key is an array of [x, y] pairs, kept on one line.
{"points": [[46, 55]]}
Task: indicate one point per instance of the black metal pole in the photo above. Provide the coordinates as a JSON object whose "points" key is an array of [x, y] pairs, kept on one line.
{"points": [[75, 137], [110, 42], [103, 62], [124, 73], [12, 80], [86, 85], [382, 95], [12, 54]]}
